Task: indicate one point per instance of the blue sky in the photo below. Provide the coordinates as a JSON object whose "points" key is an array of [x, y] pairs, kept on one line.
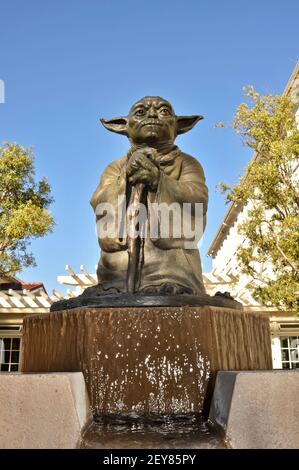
{"points": [[65, 63]]}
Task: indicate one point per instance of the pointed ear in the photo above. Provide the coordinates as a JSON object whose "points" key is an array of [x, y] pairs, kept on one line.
{"points": [[118, 125], [185, 123]]}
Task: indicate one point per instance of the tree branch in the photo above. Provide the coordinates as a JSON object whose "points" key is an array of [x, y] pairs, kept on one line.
{"points": [[294, 267]]}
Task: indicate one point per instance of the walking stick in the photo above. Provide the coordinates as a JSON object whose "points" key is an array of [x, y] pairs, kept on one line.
{"points": [[134, 243]]}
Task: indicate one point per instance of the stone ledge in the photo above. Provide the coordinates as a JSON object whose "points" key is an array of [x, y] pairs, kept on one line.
{"points": [[42, 411], [257, 409]]}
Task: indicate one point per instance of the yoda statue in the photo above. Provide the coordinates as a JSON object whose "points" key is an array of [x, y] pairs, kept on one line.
{"points": [[156, 173], [150, 208]]}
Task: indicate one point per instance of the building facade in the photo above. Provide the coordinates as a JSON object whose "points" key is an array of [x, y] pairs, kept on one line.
{"points": [[17, 299], [225, 269]]}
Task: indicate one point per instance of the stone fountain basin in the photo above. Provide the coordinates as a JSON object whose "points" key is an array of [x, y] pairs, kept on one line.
{"points": [[147, 360]]}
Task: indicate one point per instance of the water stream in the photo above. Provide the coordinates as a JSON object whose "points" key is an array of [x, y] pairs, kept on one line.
{"points": [[158, 432]]}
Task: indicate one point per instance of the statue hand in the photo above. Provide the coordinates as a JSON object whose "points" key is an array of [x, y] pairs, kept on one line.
{"points": [[142, 169]]}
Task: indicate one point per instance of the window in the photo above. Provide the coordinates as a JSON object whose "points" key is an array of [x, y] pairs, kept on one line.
{"points": [[289, 326], [9, 354], [289, 352]]}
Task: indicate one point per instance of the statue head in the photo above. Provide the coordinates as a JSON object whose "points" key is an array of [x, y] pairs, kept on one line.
{"points": [[151, 121]]}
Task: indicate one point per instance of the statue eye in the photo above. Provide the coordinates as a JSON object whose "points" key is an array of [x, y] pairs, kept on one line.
{"points": [[165, 111], [140, 112]]}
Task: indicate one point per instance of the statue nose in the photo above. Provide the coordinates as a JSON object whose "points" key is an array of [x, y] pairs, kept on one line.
{"points": [[152, 112]]}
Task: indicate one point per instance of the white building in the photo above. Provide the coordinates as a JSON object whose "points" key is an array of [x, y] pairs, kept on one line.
{"points": [[284, 325], [18, 299]]}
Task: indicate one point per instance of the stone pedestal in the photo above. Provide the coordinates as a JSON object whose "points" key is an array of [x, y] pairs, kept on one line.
{"points": [[257, 409], [42, 411], [147, 359]]}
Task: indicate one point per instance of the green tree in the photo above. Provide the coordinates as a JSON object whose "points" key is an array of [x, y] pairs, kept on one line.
{"points": [[23, 208], [270, 189]]}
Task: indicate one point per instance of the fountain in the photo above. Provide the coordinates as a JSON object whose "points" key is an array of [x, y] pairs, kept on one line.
{"points": [[147, 337]]}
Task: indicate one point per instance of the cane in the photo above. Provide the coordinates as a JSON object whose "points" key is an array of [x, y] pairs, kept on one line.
{"points": [[134, 243]]}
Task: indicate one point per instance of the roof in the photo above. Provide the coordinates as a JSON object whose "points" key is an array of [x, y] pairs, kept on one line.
{"points": [[8, 281], [19, 285], [32, 286], [234, 209]]}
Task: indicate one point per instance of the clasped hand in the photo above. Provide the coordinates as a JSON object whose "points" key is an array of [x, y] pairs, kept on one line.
{"points": [[142, 169]]}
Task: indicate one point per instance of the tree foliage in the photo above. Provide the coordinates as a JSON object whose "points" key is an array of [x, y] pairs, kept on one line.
{"points": [[23, 208], [270, 189]]}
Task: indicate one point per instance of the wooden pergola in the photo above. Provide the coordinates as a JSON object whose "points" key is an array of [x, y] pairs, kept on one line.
{"points": [[213, 282]]}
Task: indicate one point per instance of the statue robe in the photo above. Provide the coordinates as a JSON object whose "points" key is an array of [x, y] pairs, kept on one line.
{"points": [[166, 261]]}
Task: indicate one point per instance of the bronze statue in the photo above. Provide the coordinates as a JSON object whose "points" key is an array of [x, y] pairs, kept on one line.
{"points": [[153, 171], [150, 266]]}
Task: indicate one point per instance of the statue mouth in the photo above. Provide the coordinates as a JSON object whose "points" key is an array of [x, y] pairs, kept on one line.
{"points": [[151, 123]]}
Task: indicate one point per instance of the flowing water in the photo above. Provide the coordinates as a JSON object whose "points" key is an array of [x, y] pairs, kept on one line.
{"points": [[158, 432], [159, 360]]}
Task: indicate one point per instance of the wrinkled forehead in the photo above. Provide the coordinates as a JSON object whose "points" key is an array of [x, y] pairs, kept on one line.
{"points": [[149, 101]]}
